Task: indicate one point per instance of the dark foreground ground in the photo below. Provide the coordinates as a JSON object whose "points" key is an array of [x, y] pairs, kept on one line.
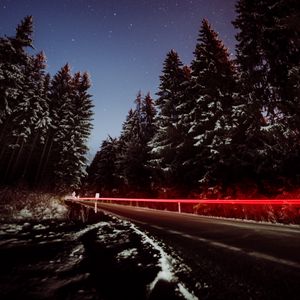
{"points": [[88, 256]]}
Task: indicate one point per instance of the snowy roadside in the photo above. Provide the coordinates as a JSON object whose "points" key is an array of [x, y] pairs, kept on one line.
{"points": [[166, 263], [22, 205], [167, 272], [136, 262], [44, 258]]}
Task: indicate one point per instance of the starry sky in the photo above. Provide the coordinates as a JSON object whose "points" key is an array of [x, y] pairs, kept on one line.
{"points": [[121, 43]]}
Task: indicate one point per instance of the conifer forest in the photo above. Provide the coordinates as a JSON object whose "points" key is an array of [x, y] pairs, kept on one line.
{"points": [[149, 149], [220, 124], [44, 121]]}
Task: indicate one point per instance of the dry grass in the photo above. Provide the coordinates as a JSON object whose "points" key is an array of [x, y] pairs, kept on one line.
{"points": [[18, 203]]}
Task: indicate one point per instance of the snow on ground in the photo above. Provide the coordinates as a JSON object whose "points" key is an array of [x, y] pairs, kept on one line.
{"points": [[128, 253], [50, 209], [106, 257], [166, 266], [21, 205], [136, 252]]}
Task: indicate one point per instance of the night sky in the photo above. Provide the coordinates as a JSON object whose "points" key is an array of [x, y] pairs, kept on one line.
{"points": [[121, 43]]}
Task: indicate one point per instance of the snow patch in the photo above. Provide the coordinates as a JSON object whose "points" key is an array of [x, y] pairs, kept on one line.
{"points": [[44, 209], [186, 294], [25, 213], [127, 253], [166, 273], [80, 233], [39, 227]]}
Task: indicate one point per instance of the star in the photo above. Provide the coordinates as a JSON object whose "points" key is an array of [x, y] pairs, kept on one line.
{"points": [[90, 8], [139, 30]]}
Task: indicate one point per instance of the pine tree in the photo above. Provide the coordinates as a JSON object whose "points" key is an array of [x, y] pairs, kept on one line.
{"points": [[59, 144], [46, 141], [250, 140], [102, 173], [44, 123], [31, 117], [137, 130], [24, 33], [292, 157], [14, 61], [11, 78], [212, 87], [267, 55], [148, 113], [62, 161], [82, 111], [164, 143], [281, 47], [71, 126], [185, 150]]}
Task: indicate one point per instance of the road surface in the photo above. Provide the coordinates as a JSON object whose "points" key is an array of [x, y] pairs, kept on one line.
{"points": [[251, 254]]}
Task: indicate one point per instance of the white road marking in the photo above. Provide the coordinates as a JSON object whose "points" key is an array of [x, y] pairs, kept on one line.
{"points": [[232, 248], [157, 227], [275, 259], [236, 249], [174, 232]]}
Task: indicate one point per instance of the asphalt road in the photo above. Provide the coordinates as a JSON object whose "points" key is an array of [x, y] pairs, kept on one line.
{"points": [[276, 243], [249, 260]]}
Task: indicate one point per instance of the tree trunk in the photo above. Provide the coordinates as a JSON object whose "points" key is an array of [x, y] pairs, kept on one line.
{"points": [[38, 172], [44, 164], [10, 162], [29, 157], [16, 163]]}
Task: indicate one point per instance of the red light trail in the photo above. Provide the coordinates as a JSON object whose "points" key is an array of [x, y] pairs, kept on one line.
{"points": [[200, 201]]}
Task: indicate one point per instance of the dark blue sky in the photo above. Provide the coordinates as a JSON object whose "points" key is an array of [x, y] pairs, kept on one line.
{"points": [[121, 43]]}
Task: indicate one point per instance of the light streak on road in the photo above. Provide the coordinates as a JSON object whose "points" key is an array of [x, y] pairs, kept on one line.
{"points": [[200, 201]]}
